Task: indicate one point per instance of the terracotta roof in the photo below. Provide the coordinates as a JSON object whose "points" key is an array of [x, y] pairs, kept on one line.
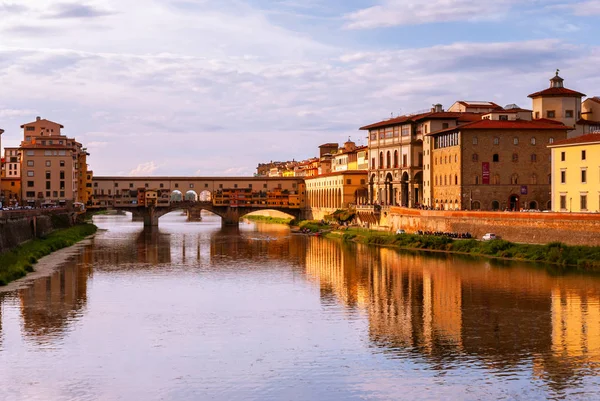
{"points": [[517, 110], [481, 105], [588, 122], [443, 115], [507, 125], [43, 120], [329, 145], [589, 138], [344, 172], [594, 99], [557, 92]]}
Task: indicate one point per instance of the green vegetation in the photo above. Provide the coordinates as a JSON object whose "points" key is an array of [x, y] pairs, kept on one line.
{"points": [[556, 253], [340, 216], [314, 225], [18, 262], [268, 219]]}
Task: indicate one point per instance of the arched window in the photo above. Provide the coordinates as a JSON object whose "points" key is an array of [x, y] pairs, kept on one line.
{"points": [[374, 166], [533, 140], [455, 179], [475, 157], [445, 180], [380, 159], [395, 159], [474, 140], [515, 157], [533, 179], [495, 157], [533, 205], [496, 140], [495, 205], [514, 179], [388, 159], [533, 158], [515, 141], [476, 205]]}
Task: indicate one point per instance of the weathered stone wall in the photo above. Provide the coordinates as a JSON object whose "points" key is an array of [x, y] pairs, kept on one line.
{"points": [[570, 228], [22, 226]]}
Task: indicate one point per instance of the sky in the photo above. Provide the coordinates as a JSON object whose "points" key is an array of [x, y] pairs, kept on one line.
{"points": [[214, 87]]}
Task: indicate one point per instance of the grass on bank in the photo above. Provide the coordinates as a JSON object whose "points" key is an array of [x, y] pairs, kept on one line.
{"points": [[268, 219], [584, 257], [18, 262]]}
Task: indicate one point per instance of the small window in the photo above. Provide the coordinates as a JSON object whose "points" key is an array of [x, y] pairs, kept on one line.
{"points": [[550, 140], [30, 163], [563, 156], [583, 202], [348, 181], [583, 176], [515, 141], [496, 158], [474, 140], [62, 163], [515, 157], [30, 174], [533, 158], [533, 141], [568, 113], [444, 125], [131, 185], [503, 117], [583, 155], [550, 114], [563, 177], [537, 115], [496, 140], [30, 184], [48, 163]]}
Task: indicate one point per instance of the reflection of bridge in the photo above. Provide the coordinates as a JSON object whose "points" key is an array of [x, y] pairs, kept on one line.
{"points": [[230, 197]]}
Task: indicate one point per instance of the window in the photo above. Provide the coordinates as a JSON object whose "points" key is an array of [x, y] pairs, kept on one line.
{"points": [[131, 185], [503, 117], [550, 114], [537, 115], [515, 141], [30, 174], [48, 175], [515, 157], [405, 130], [55, 194], [62, 163], [62, 186], [495, 158], [514, 179], [476, 180], [568, 113], [47, 194], [496, 179], [161, 185], [388, 159], [47, 153], [533, 179], [550, 140], [30, 163], [29, 128], [474, 140], [583, 202], [533, 158], [48, 163], [563, 176], [47, 184], [348, 181], [380, 159], [563, 156], [583, 176], [30, 153], [496, 141], [62, 175], [533, 141], [30, 184], [30, 194], [62, 153], [495, 205], [456, 180], [583, 155], [62, 194], [444, 125], [405, 160]]}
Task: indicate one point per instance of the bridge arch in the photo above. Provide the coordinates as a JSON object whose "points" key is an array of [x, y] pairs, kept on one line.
{"points": [[205, 196], [176, 196], [191, 195]]}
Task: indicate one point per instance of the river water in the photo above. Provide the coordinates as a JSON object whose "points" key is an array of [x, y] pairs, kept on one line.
{"points": [[193, 311]]}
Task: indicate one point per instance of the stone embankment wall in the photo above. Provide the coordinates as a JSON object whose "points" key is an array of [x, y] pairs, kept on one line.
{"points": [[17, 227], [535, 228]]}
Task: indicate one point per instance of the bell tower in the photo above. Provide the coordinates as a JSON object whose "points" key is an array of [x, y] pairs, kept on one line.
{"points": [[557, 103]]}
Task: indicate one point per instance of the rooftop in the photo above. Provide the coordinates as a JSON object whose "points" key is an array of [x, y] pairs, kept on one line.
{"points": [[442, 115], [589, 138], [507, 125]]}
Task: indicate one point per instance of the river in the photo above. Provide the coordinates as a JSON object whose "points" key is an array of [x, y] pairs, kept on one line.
{"points": [[193, 311]]}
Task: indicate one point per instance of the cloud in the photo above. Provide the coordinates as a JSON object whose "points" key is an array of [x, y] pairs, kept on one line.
{"points": [[11, 113], [74, 10], [587, 8], [144, 169], [12, 8]]}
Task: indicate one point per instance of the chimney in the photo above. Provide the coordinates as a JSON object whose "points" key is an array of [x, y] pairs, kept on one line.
{"points": [[438, 108], [38, 118]]}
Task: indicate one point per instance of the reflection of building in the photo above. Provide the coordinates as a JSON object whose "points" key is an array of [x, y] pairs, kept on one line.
{"points": [[576, 174], [49, 305]]}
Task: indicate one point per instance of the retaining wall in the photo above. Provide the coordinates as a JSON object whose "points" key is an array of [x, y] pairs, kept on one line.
{"points": [[17, 227], [536, 228]]}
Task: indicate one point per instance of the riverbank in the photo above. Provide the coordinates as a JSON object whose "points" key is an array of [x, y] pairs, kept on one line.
{"points": [[268, 219], [582, 258], [20, 261]]}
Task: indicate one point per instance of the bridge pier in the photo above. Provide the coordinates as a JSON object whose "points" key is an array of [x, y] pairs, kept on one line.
{"points": [[194, 214], [231, 217]]}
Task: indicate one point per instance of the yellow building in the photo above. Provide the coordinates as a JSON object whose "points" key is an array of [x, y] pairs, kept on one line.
{"points": [[330, 192], [576, 174]]}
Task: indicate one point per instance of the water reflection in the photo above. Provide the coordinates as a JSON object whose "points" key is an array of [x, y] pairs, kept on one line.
{"points": [[332, 320], [448, 310]]}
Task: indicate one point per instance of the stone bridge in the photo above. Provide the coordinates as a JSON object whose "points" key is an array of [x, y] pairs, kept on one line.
{"points": [[230, 215]]}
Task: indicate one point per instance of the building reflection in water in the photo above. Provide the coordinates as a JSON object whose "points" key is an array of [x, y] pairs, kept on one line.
{"points": [[450, 309], [51, 304]]}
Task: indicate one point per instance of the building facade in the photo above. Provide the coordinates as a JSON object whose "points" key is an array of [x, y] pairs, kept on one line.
{"points": [[492, 164], [576, 174], [51, 165], [338, 190]]}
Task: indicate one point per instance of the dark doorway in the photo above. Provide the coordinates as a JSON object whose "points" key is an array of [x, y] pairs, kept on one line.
{"points": [[513, 202], [404, 189]]}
